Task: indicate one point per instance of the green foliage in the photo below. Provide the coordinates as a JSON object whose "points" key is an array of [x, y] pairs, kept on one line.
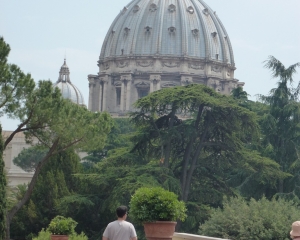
{"points": [[46, 235], [81, 236], [253, 220], [29, 158], [193, 131], [280, 125], [62, 226], [55, 181], [241, 96], [43, 235], [156, 204], [119, 137], [111, 183], [15, 86], [2, 189], [205, 141]]}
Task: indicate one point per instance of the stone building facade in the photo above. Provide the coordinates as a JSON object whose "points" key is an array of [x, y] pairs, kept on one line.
{"points": [[15, 175], [154, 44]]}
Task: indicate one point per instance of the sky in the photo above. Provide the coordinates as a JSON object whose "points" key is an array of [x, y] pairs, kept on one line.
{"points": [[41, 33]]}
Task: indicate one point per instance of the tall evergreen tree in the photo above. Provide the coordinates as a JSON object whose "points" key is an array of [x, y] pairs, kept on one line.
{"points": [[281, 124], [2, 190]]}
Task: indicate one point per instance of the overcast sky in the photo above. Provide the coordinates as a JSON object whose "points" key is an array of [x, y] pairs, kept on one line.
{"points": [[40, 33]]}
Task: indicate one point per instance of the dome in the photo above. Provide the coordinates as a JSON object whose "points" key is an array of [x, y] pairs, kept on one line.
{"points": [[68, 90], [155, 44], [182, 28]]}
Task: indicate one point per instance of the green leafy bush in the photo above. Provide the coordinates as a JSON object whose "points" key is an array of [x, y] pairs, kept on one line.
{"points": [[43, 235], [156, 204], [46, 235], [62, 226], [253, 220]]}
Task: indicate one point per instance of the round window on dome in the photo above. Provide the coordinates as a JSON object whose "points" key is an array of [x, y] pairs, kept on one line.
{"points": [[190, 9]]}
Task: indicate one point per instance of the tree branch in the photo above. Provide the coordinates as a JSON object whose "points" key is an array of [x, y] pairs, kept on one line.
{"points": [[17, 207], [7, 141]]}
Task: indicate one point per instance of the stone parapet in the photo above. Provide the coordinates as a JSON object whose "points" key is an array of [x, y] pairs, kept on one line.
{"points": [[186, 236]]}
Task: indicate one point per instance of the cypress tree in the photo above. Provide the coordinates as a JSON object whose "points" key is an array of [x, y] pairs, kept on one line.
{"points": [[2, 190]]}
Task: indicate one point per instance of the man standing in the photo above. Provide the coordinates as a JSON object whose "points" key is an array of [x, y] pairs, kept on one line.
{"points": [[120, 229]]}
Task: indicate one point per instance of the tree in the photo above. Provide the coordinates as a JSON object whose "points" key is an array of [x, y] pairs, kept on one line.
{"points": [[119, 137], [280, 125], [113, 176], [202, 138], [241, 96], [253, 220], [55, 182], [14, 87], [44, 114], [68, 126], [194, 129], [29, 158]]}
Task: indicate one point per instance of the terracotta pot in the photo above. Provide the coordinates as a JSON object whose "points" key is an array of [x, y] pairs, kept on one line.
{"points": [[59, 237], [159, 230]]}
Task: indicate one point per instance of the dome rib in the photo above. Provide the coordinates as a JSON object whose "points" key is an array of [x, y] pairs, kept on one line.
{"points": [[137, 35], [184, 27], [127, 36], [202, 26], [185, 30]]}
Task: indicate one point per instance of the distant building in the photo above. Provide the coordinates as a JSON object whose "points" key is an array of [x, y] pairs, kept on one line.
{"points": [[161, 44], [15, 175], [68, 90]]}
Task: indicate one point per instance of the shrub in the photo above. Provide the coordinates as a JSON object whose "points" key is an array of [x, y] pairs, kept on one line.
{"points": [[45, 235], [62, 226], [253, 220], [156, 204]]}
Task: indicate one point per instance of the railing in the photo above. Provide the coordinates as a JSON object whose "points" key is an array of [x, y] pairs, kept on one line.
{"points": [[181, 236]]}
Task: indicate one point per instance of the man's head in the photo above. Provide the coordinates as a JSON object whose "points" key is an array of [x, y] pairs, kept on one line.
{"points": [[295, 229], [121, 211]]}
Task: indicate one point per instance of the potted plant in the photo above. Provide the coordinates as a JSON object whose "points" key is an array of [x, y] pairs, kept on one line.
{"points": [[61, 227], [158, 210]]}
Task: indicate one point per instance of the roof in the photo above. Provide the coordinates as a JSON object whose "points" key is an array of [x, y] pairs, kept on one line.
{"points": [[68, 90], [171, 28]]}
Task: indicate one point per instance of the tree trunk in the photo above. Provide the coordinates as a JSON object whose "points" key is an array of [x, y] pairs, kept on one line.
{"points": [[168, 144], [7, 230], [190, 164], [11, 213], [187, 155]]}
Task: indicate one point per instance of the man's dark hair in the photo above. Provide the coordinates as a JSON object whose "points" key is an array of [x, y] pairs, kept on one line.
{"points": [[121, 211]]}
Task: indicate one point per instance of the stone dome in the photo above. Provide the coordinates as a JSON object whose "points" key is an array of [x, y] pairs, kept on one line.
{"points": [[170, 28], [68, 90], [154, 44]]}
